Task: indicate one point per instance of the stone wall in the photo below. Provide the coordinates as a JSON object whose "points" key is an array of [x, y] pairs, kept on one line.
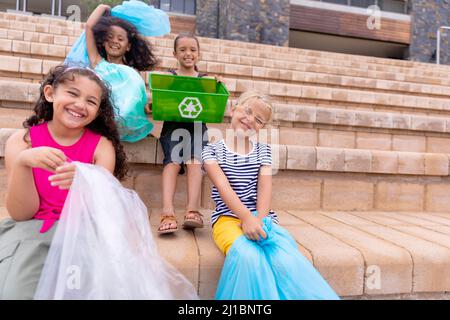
{"points": [[208, 18], [261, 21], [427, 16]]}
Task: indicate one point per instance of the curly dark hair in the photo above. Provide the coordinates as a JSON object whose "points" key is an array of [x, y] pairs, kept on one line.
{"points": [[140, 56], [104, 124]]}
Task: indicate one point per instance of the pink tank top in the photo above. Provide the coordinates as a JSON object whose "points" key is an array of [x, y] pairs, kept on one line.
{"points": [[51, 199]]}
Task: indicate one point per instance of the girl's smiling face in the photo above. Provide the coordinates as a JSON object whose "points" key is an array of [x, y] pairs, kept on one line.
{"points": [[250, 117], [187, 52], [116, 43], [75, 103]]}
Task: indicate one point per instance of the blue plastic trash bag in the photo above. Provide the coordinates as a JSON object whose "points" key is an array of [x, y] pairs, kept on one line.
{"points": [[78, 54], [270, 269], [129, 98], [148, 20]]}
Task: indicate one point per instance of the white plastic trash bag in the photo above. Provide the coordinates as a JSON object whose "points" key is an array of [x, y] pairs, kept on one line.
{"points": [[103, 247]]}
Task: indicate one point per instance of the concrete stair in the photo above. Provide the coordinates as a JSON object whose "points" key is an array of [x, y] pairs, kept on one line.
{"points": [[361, 143]]}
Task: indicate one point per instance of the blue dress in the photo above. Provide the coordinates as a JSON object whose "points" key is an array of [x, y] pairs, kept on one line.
{"points": [[129, 99]]}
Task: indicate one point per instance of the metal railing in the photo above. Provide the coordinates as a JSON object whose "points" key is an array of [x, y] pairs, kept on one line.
{"points": [[24, 6]]}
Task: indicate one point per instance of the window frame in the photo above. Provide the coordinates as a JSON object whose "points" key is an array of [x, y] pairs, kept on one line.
{"points": [[178, 12], [376, 2]]}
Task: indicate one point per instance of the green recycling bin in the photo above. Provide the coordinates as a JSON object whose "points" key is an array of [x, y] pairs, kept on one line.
{"points": [[187, 99]]}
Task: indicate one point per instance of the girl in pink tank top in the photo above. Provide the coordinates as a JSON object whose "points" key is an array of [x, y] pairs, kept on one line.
{"points": [[51, 199], [73, 121]]}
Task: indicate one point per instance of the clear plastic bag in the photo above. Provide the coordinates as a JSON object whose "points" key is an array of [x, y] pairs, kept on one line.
{"points": [[103, 247], [149, 21]]}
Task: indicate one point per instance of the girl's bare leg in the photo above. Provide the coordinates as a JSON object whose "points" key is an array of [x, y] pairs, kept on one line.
{"points": [[194, 188], [169, 184]]}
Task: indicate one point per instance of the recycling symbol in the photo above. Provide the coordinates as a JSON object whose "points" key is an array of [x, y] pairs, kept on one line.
{"points": [[190, 108]]}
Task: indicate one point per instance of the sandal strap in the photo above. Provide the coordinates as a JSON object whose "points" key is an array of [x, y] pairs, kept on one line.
{"points": [[168, 217], [196, 213]]}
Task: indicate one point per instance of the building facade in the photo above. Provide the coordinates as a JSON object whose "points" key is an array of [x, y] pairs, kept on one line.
{"points": [[398, 29]]}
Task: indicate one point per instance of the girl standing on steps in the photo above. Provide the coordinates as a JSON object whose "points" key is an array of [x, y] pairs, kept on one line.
{"points": [[186, 51], [117, 52], [262, 259]]}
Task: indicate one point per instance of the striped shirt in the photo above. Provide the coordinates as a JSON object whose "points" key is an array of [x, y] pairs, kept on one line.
{"points": [[242, 172]]}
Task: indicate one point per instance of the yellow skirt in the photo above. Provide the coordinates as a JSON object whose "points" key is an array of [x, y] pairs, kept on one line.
{"points": [[225, 231]]}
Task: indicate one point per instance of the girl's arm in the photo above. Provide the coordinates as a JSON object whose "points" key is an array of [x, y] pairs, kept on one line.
{"points": [[105, 155], [251, 225], [94, 55], [22, 199], [264, 197]]}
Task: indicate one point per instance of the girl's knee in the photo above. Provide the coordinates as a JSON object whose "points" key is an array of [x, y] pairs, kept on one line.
{"points": [[225, 232], [172, 165], [193, 163]]}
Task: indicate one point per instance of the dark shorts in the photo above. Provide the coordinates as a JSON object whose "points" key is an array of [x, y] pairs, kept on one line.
{"points": [[183, 141]]}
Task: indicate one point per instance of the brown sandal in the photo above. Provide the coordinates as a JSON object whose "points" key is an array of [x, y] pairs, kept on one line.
{"points": [[167, 219], [192, 223]]}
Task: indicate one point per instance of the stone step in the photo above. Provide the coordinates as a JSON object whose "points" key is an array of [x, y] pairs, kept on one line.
{"points": [[362, 255], [428, 139], [312, 178], [282, 93], [312, 158], [67, 36], [320, 190], [26, 23], [35, 68], [13, 118], [36, 45], [307, 125], [61, 29]]}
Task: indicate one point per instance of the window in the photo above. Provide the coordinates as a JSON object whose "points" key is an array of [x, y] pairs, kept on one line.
{"points": [[337, 1], [362, 3], [397, 6], [394, 5], [180, 6]]}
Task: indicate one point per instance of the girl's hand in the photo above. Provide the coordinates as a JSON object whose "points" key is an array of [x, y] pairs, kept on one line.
{"points": [[42, 157], [107, 9], [252, 228], [148, 108], [63, 177]]}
